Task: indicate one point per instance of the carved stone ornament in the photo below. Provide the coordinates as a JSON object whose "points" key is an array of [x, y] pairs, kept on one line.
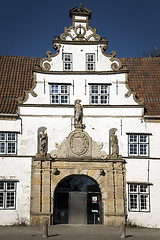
{"points": [[78, 145], [79, 33], [45, 63]]}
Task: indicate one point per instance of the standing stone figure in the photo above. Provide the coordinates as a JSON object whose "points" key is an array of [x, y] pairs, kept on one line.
{"points": [[78, 112], [114, 144], [43, 143]]}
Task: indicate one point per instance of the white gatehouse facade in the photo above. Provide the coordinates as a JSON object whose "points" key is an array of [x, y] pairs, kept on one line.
{"points": [[79, 134]]}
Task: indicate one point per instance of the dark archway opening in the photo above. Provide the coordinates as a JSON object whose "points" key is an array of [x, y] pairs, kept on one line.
{"points": [[77, 200]]}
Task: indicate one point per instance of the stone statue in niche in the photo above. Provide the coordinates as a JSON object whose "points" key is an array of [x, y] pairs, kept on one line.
{"points": [[43, 143], [78, 112], [114, 144]]}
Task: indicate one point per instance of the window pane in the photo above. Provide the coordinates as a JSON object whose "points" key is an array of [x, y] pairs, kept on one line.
{"points": [[133, 188], [94, 89], [143, 149], [2, 147], [133, 201], [90, 57], [11, 147], [143, 138], [67, 57], [1, 199], [64, 89], [144, 202], [10, 203], [94, 99], [1, 186], [54, 89], [104, 99], [67, 66], [133, 138], [11, 136], [55, 99], [64, 99], [104, 89], [90, 66], [10, 186], [144, 188], [133, 149], [2, 136]]}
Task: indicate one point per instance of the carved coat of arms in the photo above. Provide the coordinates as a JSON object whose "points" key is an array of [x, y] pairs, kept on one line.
{"points": [[79, 143]]}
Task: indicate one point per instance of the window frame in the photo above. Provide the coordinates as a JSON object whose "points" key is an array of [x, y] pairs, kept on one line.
{"points": [[99, 94], [139, 193], [8, 141], [67, 62], [59, 94], [91, 62], [139, 144], [7, 191]]}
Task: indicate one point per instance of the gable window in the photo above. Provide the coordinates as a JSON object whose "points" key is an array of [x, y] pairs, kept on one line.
{"points": [[99, 94], [67, 61], [60, 93], [138, 144], [8, 143], [7, 194], [139, 197], [90, 61]]}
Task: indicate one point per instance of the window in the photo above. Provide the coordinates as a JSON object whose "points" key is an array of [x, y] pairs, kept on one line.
{"points": [[138, 145], [8, 143], [67, 61], [90, 61], [139, 197], [59, 93], [99, 94], [8, 195]]}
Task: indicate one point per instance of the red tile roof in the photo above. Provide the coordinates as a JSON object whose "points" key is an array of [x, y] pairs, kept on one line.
{"points": [[144, 79], [16, 77]]}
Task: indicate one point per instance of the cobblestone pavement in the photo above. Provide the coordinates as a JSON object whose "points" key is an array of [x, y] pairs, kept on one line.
{"points": [[76, 232]]}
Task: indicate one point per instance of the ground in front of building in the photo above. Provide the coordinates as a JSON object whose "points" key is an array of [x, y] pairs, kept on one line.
{"points": [[76, 232]]}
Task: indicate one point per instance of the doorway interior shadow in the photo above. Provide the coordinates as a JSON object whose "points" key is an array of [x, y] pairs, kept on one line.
{"points": [[77, 200]]}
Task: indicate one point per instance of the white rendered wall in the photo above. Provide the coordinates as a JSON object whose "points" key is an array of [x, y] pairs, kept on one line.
{"points": [[143, 170], [102, 63], [19, 169], [79, 88]]}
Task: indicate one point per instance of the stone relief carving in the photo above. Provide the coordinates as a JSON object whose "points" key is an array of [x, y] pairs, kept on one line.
{"points": [[79, 143], [97, 151], [60, 151]]}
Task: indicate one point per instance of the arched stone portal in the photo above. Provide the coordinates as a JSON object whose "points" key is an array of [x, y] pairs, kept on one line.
{"points": [[77, 200], [79, 155]]}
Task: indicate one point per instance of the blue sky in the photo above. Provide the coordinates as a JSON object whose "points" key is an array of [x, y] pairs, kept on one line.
{"points": [[28, 27]]}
